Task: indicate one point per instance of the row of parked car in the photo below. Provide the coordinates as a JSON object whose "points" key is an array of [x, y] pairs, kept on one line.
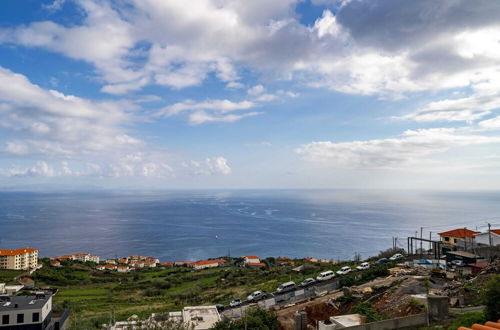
{"points": [[324, 276]]}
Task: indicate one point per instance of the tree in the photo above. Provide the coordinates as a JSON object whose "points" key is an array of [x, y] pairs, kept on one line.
{"points": [[255, 318], [492, 299]]}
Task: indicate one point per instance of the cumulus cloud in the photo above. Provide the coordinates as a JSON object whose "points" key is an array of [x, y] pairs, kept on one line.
{"points": [[210, 166], [413, 147]]}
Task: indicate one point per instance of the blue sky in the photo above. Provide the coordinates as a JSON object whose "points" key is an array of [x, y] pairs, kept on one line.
{"points": [[264, 94]]}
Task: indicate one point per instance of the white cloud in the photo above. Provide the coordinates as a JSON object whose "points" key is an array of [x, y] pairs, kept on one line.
{"points": [[210, 166], [200, 117], [41, 169], [256, 90], [216, 105], [412, 148]]}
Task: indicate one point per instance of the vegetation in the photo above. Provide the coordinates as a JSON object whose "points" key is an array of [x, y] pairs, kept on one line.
{"points": [[467, 320], [492, 299], [255, 319], [7, 276], [366, 309], [94, 297]]}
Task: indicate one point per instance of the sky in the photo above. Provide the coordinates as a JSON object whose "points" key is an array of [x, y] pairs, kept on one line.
{"points": [[209, 94]]}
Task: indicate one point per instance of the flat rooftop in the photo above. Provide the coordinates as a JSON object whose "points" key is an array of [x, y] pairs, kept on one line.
{"points": [[8, 303], [202, 317]]}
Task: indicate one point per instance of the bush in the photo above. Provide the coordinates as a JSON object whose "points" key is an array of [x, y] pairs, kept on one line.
{"points": [[255, 318], [467, 320], [366, 309], [492, 299]]}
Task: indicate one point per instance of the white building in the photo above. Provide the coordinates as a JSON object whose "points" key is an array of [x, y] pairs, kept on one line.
{"points": [[484, 238], [251, 259], [20, 259], [23, 312]]}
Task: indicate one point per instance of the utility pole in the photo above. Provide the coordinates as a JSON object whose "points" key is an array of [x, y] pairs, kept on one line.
{"points": [[465, 238], [421, 237], [430, 239], [489, 233]]}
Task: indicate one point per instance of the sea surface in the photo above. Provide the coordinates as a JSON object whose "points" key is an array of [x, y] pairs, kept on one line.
{"points": [[193, 225]]}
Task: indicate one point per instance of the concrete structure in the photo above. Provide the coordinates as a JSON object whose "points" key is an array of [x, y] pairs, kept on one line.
{"points": [[466, 257], [452, 237], [26, 312], [202, 264], [20, 259], [201, 317], [484, 238], [13, 289], [341, 321], [2, 288], [437, 307]]}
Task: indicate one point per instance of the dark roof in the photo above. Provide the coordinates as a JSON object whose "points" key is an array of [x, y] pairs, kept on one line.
{"points": [[462, 254], [23, 302]]}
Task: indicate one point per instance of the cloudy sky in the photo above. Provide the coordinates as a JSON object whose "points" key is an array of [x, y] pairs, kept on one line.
{"points": [[250, 94]]}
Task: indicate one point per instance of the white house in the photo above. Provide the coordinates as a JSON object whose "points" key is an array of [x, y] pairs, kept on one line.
{"points": [[251, 259], [26, 312], [484, 238]]}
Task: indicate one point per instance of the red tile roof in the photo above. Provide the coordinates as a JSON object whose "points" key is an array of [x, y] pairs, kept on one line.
{"points": [[209, 262], [16, 252], [251, 257], [256, 264], [460, 233], [496, 231]]}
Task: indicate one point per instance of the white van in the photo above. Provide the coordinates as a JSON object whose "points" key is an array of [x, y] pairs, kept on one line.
{"points": [[288, 286], [325, 276]]}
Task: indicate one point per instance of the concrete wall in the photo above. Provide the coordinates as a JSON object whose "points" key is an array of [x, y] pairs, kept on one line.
{"points": [[397, 323]]}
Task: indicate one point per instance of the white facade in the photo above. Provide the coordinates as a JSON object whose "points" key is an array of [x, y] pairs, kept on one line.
{"points": [[484, 239], [252, 259], [27, 313]]}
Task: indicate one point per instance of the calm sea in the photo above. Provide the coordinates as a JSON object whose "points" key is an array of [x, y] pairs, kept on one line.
{"points": [[191, 225]]}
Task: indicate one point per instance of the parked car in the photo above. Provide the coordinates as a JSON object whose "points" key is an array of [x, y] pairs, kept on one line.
{"points": [[363, 266], [256, 296], [285, 287], [235, 302], [382, 261], [397, 256], [307, 282], [459, 263], [325, 276], [344, 270]]}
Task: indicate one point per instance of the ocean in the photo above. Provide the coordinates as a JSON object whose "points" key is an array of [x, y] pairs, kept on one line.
{"points": [[193, 225]]}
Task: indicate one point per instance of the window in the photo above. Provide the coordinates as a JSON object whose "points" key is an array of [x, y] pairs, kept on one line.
{"points": [[454, 240], [447, 239], [20, 318], [5, 319], [36, 317]]}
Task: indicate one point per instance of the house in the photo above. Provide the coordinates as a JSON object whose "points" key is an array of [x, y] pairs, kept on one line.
{"points": [[484, 238], [255, 264], [452, 237], [100, 267], [167, 264], [108, 267], [137, 264], [144, 258], [20, 259], [55, 263], [82, 257], [251, 259], [123, 269], [150, 264], [123, 261], [13, 289], [202, 264], [110, 261], [27, 282], [26, 312], [477, 267], [466, 257]]}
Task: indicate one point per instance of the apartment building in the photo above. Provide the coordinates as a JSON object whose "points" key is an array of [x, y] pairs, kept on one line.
{"points": [[20, 259]]}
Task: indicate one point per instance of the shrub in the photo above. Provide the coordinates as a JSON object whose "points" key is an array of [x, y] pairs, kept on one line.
{"points": [[255, 318], [492, 299], [467, 320], [366, 309]]}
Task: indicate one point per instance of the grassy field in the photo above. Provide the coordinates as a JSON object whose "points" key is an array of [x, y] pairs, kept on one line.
{"points": [[7, 276], [95, 297]]}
